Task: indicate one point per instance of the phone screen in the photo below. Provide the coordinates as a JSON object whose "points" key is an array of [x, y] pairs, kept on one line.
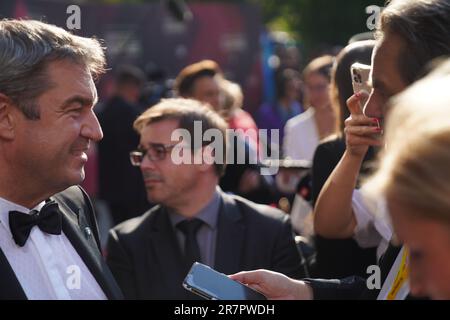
{"points": [[210, 284]]}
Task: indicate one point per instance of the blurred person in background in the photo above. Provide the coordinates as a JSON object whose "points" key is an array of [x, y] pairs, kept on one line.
{"points": [[303, 132], [242, 179], [200, 81], [204, 81], [120, 184], [286, 106]]}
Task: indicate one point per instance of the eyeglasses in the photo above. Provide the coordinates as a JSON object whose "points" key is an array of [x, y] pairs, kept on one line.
{"points": [[156, 152]]}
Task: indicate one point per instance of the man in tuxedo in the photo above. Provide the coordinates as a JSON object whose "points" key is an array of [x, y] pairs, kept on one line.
{"points": [[49, 245], [194, 220]]}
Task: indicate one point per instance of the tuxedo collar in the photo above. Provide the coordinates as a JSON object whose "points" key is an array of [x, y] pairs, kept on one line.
{"points": [[81, 236], [9, 284]]}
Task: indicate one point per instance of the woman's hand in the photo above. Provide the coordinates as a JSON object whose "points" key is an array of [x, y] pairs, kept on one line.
{"points": [[360, 131], [274, 286]]}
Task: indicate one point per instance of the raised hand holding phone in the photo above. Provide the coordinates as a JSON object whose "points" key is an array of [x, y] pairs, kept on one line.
{"points": [[360, 131]]}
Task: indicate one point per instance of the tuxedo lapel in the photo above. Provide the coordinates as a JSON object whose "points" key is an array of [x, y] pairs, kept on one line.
{"points": [[75, 227], [230, 237], [167, 255], [10, 288]]}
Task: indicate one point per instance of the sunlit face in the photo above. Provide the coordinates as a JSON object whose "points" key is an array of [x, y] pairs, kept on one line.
{"points": [[206, 89], [50, 153], [429, 245], [166, 183], [317, 90], [386, 77]]}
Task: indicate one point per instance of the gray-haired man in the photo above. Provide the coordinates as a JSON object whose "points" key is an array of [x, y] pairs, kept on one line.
{"points": [[48, 238]]}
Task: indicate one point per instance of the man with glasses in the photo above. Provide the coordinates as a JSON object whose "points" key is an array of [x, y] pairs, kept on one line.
{"points": [[194, 220]]}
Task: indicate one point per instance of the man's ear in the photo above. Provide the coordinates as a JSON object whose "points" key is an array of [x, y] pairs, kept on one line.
{"points": [[6, 118]]}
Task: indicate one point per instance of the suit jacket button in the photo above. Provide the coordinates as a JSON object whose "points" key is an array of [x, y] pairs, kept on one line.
{"points": [[87, 232]]}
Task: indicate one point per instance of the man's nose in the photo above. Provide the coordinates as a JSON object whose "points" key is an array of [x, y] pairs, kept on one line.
{"points": [[147, 164], [91, 129]]}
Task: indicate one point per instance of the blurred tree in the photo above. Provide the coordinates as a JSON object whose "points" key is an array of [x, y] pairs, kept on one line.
{"points": [[318, 23]]}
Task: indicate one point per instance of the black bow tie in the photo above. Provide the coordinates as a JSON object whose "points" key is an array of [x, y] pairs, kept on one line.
{"points": [[48, 220]]}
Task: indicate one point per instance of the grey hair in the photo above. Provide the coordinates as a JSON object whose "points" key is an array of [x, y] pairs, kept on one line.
{"points": [[424, 25], [26, 49]]}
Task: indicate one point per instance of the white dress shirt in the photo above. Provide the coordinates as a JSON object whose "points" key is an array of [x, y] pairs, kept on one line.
{"points": [[47, 266], [301, 136], [373, 228]]}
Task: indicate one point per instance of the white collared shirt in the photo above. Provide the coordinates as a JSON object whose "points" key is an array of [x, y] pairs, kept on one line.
{"points": [[301, 136], [373, 228], [47, 266]]}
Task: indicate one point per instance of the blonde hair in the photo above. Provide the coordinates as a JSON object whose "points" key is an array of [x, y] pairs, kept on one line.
{"points": [[232, 97], [415, 166]]}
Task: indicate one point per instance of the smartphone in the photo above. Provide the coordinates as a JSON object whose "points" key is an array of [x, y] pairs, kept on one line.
{"points": [[213, 285], [360, 79]]}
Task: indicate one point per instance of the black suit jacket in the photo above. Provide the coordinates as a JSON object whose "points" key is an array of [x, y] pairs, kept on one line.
{"points": [[145, 258], [77, 215]]}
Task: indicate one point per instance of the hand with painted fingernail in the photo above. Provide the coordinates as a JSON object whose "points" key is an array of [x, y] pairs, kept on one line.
{"points": [[360, 130]]}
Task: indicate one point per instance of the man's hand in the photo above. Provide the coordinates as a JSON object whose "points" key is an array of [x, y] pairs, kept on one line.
{"points": [[360, 131], [274, 286]]}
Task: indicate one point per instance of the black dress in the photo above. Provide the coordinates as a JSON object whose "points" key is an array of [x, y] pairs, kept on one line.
{"points": [[336, 258]]}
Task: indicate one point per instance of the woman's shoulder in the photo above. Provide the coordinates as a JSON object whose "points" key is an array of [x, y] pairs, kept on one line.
{"points": [[301, 121], [334, 144]]}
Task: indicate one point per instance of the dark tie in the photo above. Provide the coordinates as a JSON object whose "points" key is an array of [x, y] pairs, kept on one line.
{"points": [[48, 219], [191, 248]]}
